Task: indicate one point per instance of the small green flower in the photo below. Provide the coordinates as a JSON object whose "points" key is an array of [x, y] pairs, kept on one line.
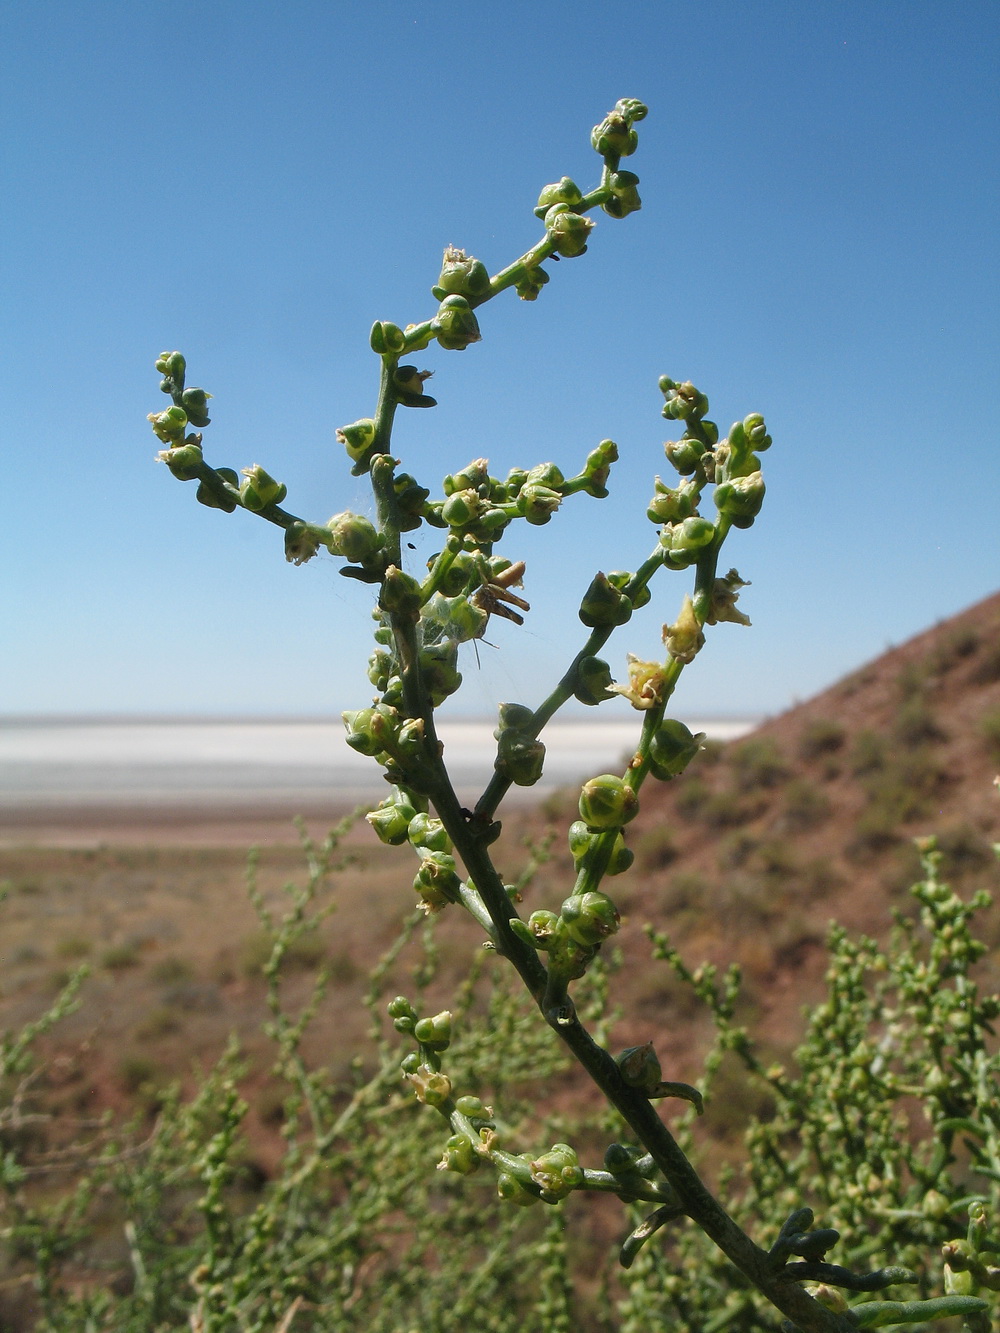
{"points": [[607, 803], [455, 325], [260, 489], [461, 275], [672, 748], [564, 191], [590, 917], [570, 231]]}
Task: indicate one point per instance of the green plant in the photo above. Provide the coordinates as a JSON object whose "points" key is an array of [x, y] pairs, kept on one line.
{"points": [[422, 619]]}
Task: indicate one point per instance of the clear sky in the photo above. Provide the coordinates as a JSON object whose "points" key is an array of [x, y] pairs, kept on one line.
{"points": [[254, 183]]}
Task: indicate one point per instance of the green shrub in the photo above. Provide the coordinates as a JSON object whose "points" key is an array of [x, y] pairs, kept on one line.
{"points": [[821, 736], [758, 763], [806, 806]]}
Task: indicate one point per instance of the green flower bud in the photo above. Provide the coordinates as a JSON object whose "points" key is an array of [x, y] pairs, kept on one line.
{"points": [[621, 857], [387, 339], [672, 504], [391, 821], [301, 542], [620, 579], [260, 490], [531, 282], [195, 404], [590, 918], [544, 927], [458, 618], [173, 365], [432, 1088], [688, 536], [357, 438], [461, 508], [510, 1190], [221, 499], [435, 1032], [409, 1063], [474, 476], [455, 325], [740, 499], [598, 467], [184, 460], [439, 664], [538, 503], [461, 275], [410, 497], [683, 401], [685, 455], [516, 478], [459, 1156], [400, 1007], [570, 231], [353, 536], [361, 732], [426, 831], [624, 198], [472, 1107], [684, 638], [593, 681], [613, 138], [672, 748], [557, 1172], [435, 882], [756, 433], [563, 191], [170, 425], [408, 383], [580, 841], [607, 803], [640, 1067], [400, 594], [546, 474], [520, 757], [381, 666], [603, 606]]}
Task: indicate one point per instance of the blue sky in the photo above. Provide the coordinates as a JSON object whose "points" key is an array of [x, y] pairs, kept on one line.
{"points": [[254, 183]]}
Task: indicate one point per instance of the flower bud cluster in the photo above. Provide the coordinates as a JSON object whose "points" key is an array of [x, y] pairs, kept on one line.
{"points": [[556, 1172], [436, 882], [615, 138], [572, 936], [520, 754]]}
